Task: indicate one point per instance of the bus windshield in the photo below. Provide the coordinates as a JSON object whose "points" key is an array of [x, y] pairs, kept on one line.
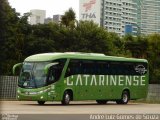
{"points": [[32, 75]]}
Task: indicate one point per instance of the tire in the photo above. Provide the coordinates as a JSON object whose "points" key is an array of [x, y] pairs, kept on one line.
{"points": [[101, 101], [41, 102], [66, 98], [124, 98]]}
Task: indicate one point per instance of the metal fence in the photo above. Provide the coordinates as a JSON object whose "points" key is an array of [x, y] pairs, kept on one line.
{"points": [[154, 92], [8, 85]]}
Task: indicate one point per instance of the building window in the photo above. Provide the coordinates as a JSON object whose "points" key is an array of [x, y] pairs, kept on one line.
{"points": [[37, 19]]}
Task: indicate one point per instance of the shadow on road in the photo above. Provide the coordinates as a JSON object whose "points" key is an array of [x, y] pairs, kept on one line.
{"points": [[82, 104]]}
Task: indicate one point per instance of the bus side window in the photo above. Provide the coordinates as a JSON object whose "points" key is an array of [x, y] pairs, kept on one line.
{"points": [[103, 68], [88, 67], [74, 68]]}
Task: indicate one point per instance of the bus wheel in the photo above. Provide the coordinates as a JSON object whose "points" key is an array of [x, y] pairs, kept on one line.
{"points": [[124, 99], [41, 102], [101, 101], [66, 98]]}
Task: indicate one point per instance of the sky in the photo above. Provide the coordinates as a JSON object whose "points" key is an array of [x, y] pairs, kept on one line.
{"points": [[52, 7]]}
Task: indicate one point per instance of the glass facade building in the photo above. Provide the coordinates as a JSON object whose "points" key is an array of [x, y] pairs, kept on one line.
{"points": [[150, 16], [133, 17], [117, 15]]}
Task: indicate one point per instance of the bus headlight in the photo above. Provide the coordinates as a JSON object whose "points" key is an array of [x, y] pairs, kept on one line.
{"points": [[18, 91], [43, 91], [41, 97], [53, 87], [32, 93], [40, 91]]}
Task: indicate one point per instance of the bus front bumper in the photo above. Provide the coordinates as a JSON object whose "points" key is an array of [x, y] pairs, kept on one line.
{"points": [[32, 96]]}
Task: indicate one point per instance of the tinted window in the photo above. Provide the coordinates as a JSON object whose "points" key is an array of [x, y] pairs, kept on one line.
{"points": [[56, 71], [105, 67]]}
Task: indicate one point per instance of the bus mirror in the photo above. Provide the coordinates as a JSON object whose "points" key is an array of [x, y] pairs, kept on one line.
{"points": [[47, 67], [15, 66]]}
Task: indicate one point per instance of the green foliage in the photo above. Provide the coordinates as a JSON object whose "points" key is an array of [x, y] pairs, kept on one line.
{"points": [[118, 46], [68, 19], [136, 45], [153, 56], [8, 23], [91, 38]]}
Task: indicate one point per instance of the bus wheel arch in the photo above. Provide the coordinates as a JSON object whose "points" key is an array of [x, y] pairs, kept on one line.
{"points": [[127, 90], [125, 97], [101, 101], [67, 96], [41, 102]]}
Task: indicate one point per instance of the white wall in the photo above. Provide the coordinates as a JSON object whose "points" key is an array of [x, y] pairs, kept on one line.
{"points": [[37, 16]]}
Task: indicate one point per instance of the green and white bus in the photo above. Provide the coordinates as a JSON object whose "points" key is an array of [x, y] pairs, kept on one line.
{"points": [[74, 76]]}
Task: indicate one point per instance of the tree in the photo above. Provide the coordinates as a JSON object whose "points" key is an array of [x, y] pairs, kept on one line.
{"points": [[118, 48], [136, 45], [8, 21], [153, 57], [69, 18], [93, 38], [86, 37], [141, 46], [41, 39]]}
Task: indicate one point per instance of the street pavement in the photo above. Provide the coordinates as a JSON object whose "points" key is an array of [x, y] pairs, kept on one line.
{"points": [[76, 107]]}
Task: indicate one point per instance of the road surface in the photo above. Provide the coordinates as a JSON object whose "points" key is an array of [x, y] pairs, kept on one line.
{"points": [[89, 107]]}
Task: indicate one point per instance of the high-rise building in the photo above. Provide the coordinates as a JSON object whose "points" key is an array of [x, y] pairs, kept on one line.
{"points": [[57, 18], [119, 16], [150, 16], [48, 20], [37, 16], [90, 10]]}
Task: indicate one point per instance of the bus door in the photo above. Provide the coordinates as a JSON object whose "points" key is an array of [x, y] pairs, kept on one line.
{"points": [[55, 73]]}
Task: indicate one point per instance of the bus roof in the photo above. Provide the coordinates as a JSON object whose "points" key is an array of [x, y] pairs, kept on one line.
{"points": [[78, 55]]}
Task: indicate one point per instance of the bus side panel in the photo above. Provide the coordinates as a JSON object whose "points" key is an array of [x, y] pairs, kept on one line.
{"points": [[96, 89], [139, 92]]}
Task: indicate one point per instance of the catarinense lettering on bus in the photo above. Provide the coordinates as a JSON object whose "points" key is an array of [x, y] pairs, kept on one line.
{"points": [[106, 80]]}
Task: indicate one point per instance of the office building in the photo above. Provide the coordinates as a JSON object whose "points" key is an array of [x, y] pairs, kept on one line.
{"points": [[37, 16], [57, 18], [119, 16], [48, 20], [150, 17]]}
